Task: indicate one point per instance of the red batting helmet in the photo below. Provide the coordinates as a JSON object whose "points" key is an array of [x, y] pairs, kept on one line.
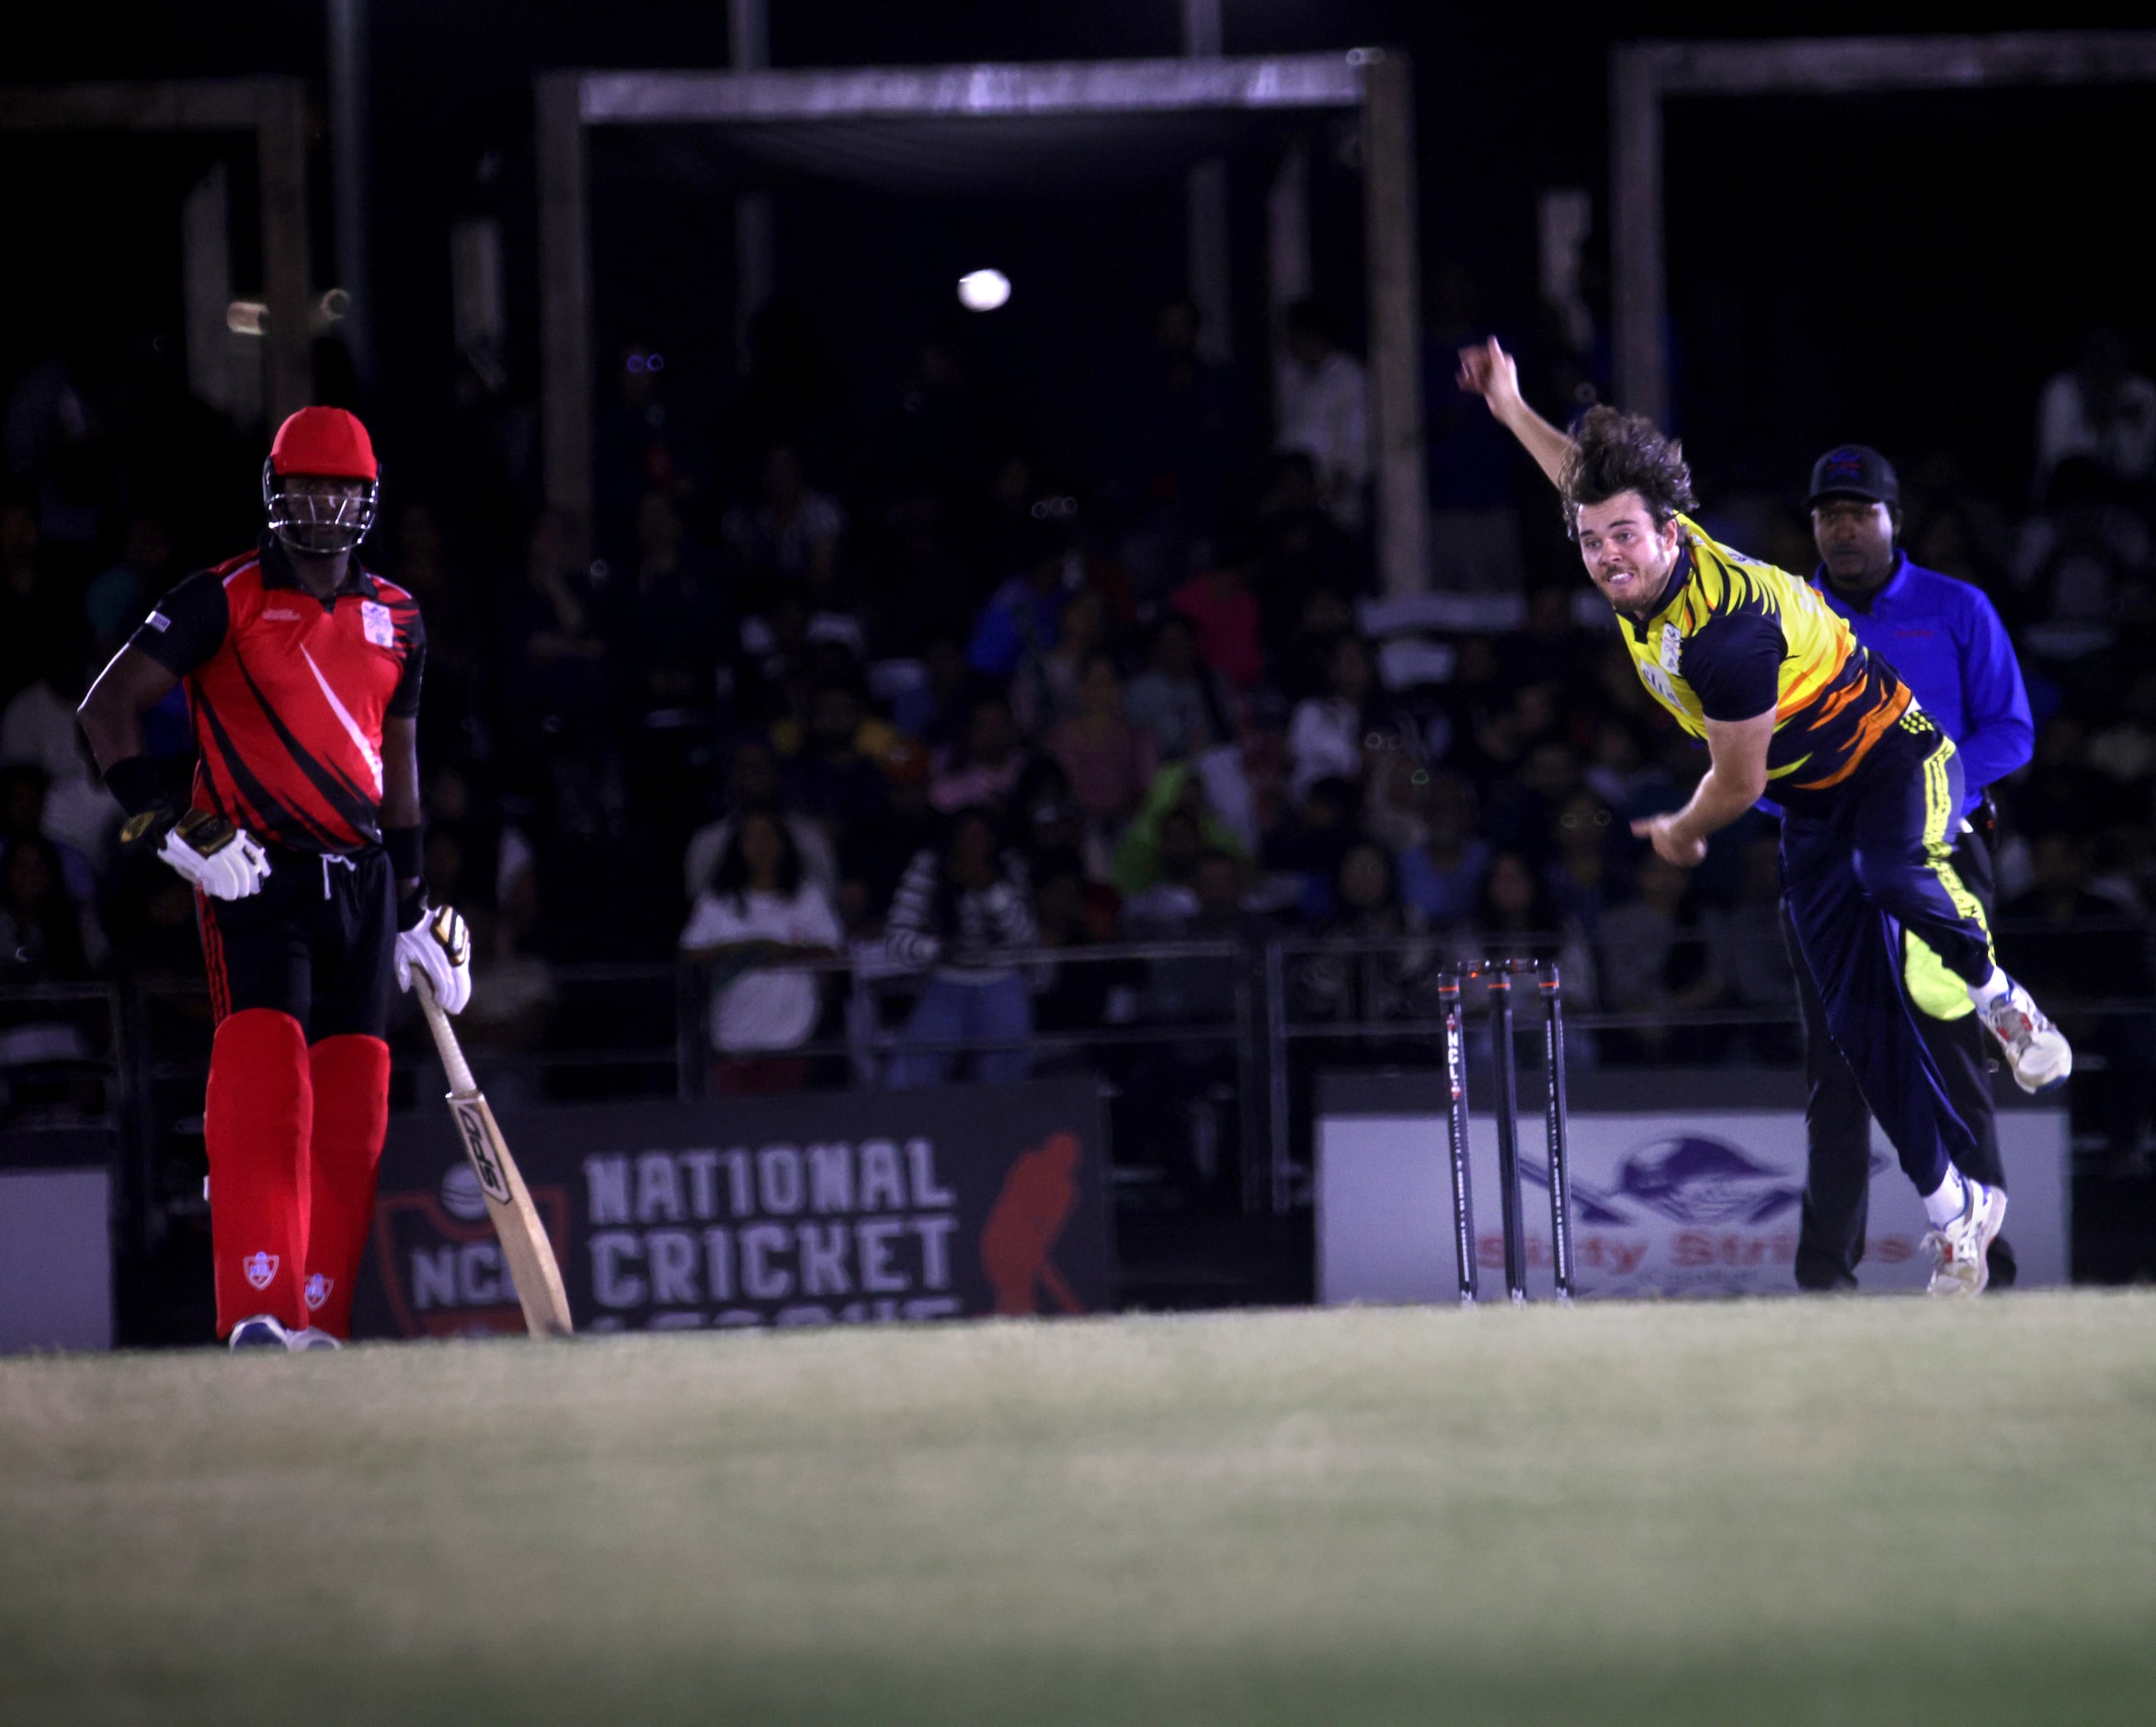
{"points": [[329, 443]]}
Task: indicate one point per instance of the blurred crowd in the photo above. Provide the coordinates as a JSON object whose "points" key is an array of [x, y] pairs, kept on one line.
{"points": [[843, 672]]}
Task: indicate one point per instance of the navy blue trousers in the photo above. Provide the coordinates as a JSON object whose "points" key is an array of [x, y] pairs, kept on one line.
{"points": [[1860, 863]]}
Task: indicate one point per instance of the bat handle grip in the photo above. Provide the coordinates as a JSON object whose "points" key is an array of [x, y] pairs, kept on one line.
{"points": [[462, 1083]]}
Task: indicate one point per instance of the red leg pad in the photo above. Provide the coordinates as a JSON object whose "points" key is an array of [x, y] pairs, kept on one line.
{"points": [[352, 1115], [255, 1121]]}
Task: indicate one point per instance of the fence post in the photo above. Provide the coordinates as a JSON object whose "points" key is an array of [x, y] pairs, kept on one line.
{"points": [[1276, 1047], [691, 1066]]}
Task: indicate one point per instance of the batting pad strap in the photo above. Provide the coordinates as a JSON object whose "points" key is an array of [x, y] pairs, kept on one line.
{"points": [[407, 852]]}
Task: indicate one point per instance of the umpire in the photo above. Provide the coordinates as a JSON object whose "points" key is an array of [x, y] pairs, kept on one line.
{"points": [[1945, 641]]}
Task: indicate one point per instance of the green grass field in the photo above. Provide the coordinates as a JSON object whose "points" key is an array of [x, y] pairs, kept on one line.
{"points": [[1820, 1513]]}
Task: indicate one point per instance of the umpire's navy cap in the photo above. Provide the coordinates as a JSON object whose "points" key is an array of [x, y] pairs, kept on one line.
{"points": [[1853, 471]]}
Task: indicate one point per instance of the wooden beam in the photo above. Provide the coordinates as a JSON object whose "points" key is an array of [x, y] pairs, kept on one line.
{"points": [[564, 303], [174, 105], [1643, 74], [1110, 86], [1835, 66], [1396, 323]]}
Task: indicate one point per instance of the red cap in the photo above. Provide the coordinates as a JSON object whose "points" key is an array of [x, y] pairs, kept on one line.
{"points": [[324, 440]]}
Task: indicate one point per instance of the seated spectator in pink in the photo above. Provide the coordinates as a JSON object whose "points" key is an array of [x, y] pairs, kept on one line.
{"points": [[1220, 604], [983, 766], [1109, 762]]}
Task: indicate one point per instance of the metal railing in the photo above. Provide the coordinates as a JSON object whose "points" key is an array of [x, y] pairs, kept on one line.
{"points": [[1220, 1030]]}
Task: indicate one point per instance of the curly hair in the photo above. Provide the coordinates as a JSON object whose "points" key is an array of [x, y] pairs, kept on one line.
{"points": [[1614, 451]]}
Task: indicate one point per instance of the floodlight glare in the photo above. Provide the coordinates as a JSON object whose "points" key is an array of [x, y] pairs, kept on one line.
{"points": [[982, 289]]}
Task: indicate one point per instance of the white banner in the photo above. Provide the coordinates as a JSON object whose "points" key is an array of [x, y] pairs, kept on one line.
{"points": [[1687, 1205]]}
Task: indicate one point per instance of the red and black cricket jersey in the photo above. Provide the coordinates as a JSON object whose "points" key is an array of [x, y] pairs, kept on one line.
{"points": [[288, 692]]}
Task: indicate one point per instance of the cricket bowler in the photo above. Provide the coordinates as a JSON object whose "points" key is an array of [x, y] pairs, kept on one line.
{"points": [[302, 843], [1750, 658]]}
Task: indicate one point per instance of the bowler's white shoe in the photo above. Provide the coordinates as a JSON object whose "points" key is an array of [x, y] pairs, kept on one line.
{"points": [[2037, 1051], [1960, 1263], [313, 1337], [261, 1331]]}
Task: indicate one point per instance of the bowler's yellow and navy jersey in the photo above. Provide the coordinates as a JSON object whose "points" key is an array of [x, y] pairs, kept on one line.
{"points": [[1733, 637]]}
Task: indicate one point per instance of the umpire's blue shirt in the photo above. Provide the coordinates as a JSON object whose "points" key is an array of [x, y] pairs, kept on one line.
{"points": [[1945, 639]]}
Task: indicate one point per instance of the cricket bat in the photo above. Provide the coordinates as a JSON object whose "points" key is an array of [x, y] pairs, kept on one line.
{"points": [[529, 1256]]}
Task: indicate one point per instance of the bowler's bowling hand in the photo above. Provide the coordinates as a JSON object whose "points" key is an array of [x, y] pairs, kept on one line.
{"points": [[1486, 370], [1662, 833]]}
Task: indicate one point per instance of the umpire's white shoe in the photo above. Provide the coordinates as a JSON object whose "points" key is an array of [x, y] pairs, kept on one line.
{"points": [[313, 1337], [1960, 1252], [2037, 1051], [261, 1331]]}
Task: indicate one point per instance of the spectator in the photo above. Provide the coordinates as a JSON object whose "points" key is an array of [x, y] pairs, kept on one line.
{"points": [[517, 1009], [31, 608], [45, 935], [985, 769], [1755, 959], [1219, 601], [2100, 408], [38, 727], [1139, 856], [117, 599], [1012, 637], [677, 625], [874, 855], [1300, 552], [1109, 762], [761, 909], [639, 442], [2081, 553], [1517, 917], [1660, 954], [1442, 878], [1050, 695], [790, 538], [1327, 734], [755, 783], [24, 816], [1183, 415], [2106, 960], [1321, 410], [960, 905], [1086, 994], [834, 773], [1585, 877], [933, 709], [1182, 702]]}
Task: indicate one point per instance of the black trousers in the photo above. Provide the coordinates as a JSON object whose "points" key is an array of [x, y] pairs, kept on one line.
{"points": [[317, 942], [1838, 1126]]}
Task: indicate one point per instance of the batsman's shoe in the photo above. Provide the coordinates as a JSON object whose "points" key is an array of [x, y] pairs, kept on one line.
{"points": [[1960, 1252], [2037, 1051], [313, 1337], [260, 1332]]}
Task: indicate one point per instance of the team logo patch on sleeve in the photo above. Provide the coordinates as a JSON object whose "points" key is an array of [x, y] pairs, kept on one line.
{"points": [[260, 1268], [1673, 650], [379, 626], [157, 620]]}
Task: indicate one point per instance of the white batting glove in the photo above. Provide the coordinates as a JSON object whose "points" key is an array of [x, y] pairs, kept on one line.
{"points": [[439, 948], [225, 862]]}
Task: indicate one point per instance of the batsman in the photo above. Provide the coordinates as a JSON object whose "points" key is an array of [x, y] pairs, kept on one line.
{"points": [[302, 843]]}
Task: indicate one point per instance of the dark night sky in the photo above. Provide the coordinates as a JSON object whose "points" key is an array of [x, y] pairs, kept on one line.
{"points": [[1902, 270]]}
